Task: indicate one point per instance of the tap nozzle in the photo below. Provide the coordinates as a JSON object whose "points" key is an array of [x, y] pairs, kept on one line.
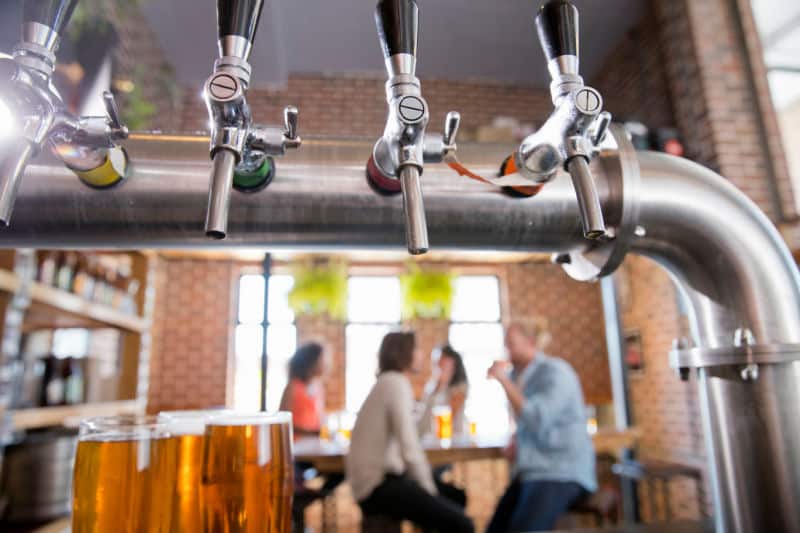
{"points": [[241, 151], [414, 208], [12, 167], [569, 137], [399, 156], [224, 165]]}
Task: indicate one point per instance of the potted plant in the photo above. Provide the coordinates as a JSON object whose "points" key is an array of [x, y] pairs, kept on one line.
{"points": [[426, 293], [320, 287]]}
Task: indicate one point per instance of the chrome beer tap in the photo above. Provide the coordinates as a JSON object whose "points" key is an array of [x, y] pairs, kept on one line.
{"points": [[570, 135], [240, 150], [87, 145], [399, 155]]}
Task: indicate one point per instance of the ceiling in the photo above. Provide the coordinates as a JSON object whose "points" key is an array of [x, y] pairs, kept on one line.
{"points": [[779, 25], [458, 38]]}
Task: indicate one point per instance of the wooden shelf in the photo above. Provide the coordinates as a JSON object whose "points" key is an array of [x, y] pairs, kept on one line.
{"points": [[54, 308], [70, 415]]}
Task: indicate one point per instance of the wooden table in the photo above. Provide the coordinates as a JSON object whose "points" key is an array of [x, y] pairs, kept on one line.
{"points": [[328, 457]]}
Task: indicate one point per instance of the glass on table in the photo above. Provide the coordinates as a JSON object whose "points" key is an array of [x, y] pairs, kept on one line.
{"points": [[443, 421], [247, 473], [123, 477], [186, 442]]}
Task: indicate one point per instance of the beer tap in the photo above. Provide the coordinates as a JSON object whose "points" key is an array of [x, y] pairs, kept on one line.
{"points": [[240, 150], [399, 155], [87, 145], [570, 136]]}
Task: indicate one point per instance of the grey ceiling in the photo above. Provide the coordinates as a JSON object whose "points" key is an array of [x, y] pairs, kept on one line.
{"points": [[492, 39]]}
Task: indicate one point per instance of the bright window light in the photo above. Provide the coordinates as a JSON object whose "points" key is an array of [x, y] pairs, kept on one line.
{"points": [[249, 336], [6, 120], [71, 342], [373, 310], [373, 299], [476, 332]]}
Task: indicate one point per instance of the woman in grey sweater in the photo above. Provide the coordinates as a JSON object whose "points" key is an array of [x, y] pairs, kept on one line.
{"points": [[386, 467]]}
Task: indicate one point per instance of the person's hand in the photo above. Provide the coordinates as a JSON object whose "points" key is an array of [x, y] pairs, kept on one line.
{"points": [[498, 370], [510, 451]]}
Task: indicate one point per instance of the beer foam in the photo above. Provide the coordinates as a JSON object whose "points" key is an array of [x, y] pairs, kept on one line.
{"points": [[251, 419]]}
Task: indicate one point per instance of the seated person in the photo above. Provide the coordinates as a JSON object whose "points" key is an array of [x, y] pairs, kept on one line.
{"points": [[387, 468], [554, 462], [448, 387], [304, 395]]}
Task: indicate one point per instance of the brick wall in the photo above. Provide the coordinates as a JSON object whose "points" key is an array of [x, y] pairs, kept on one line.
{"points": [[192, 334], [192, 330], [355, 105], [664, 407], [574, 312], [718, 105]]}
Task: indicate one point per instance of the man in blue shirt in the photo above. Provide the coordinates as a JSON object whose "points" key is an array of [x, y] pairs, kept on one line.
{"points": [[554, 463]]}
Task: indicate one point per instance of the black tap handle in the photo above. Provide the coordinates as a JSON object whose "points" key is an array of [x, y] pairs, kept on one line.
{"points": [[398, 26], [52, 13], [239, 17], [557, 25]]}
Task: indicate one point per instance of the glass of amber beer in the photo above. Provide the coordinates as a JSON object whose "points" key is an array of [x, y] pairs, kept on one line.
{"points": [[247, 476], [443, 417], [124, 476], [186, 441]]}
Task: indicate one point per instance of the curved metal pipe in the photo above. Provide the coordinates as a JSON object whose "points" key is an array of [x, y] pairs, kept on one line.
{"points": [[726, 258], [725, 255], [319, 199]]}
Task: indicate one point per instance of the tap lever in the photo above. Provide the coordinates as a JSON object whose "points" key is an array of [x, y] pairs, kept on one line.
{"points": [[118, 129], [290, 116], [451, 125], [237, 23], [55, 14], [601, 125], [557, 26], [398, 26]]}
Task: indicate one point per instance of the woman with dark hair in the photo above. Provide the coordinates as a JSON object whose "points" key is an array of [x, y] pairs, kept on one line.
{"points": [[448, 387], [387, 468], [304, 394]]}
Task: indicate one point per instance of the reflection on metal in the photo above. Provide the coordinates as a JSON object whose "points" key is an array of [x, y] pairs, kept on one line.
{"points": [[727, 259], [40, 118]]}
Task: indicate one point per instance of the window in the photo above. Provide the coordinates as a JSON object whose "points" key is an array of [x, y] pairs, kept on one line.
{"points": [[373, 309], [249, 336], [778, 23], [476, 332]]}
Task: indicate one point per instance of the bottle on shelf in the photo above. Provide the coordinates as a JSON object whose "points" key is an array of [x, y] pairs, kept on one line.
{"points": [[83, 284], [72, 374], [66, 271], [52, 392], [48, 266]]}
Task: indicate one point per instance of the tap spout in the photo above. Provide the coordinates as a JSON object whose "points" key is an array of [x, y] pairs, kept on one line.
{"points": [[12, 167], [224, 165], [594, 227], [414, 208]]}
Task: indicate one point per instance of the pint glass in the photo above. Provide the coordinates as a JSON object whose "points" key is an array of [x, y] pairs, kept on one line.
{"points": [[443, 417], [247, 476], [124, 476], [187, 434]]}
